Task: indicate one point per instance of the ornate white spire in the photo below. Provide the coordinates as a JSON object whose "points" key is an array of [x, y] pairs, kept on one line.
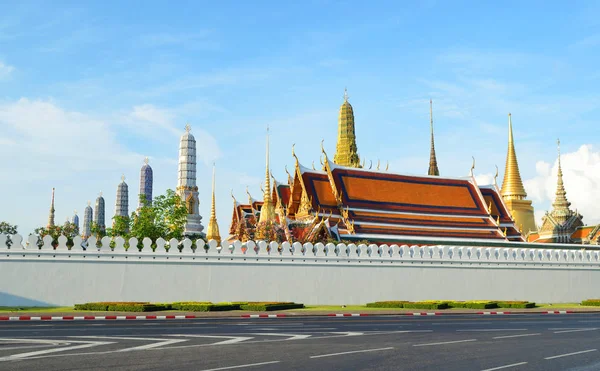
{"points": [[186, 186]]}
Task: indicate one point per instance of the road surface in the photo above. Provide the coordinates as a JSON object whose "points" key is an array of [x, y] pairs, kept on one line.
{"points": [[446, 342]]}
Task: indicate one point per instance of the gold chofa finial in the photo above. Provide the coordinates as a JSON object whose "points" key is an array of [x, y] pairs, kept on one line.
{"points": [[146, 160], [322, 145], [293, 152], [473, 166], [377, 164], [188, 128], [345, 94], [387, 166], [313, 165]]}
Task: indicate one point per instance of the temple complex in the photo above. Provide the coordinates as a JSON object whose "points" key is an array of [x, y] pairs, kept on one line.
{"points": [[99, 213], [86, 231], [122, 199], [146, 178], [186, 185], [344, 201], [513, 193]]}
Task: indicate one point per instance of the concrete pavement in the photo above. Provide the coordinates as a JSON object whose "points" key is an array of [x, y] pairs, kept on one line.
{"points": [[459, 342]]}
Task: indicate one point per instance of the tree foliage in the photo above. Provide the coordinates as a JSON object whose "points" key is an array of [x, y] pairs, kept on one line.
{"points": [[68, 230], [8, 229]]}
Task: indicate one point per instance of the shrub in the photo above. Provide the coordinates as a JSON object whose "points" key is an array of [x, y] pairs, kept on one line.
{"points": [[387, 304], [591, 302], [122, 307], [268, 306], [515, 304], [426, 305]]}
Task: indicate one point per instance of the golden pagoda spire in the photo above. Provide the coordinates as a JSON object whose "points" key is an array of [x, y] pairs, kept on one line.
{"points": [[433, 168], [267, 212], [346, 152], [560, 202], [512, 185], [212, 232], [51, 216]]}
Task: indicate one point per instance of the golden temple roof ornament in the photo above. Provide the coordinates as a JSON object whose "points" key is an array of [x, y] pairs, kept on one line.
{"points": [[267, 212], [377, 164], [290, 178], [433, 167], [346, 152], [212, 232], [473, 166], [387, 166], [512, 185]]}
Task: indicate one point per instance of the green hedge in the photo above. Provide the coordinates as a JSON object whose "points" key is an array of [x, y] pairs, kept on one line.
{"points": [[516, 304], [426, 305], [268, 306], [387, 304], [591, 302], [122, 307]]}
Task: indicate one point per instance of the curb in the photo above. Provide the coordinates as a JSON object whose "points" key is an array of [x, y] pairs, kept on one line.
{"points": [[558, 312], [91, 318], [491, 313], [281, 315]]}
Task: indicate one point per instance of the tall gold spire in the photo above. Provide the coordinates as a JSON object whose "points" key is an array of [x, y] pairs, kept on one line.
{"points": [[213, 227], [512, 185], [346, 152], [51, 215], [267, 212], [433, 168], [560, 204]]}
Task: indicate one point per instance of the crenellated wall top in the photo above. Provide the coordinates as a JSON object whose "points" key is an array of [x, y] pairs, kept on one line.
{"points": [[15, 247]]}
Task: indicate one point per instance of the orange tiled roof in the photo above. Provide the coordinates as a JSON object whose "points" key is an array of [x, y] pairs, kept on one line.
{"points": [[532, 237], [582, 232]]}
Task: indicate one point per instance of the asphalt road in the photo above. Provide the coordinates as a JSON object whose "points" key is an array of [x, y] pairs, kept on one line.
{"points": [[452, 342]]}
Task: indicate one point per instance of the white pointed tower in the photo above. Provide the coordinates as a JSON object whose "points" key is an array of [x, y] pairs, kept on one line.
{"points": [[186, 185]]}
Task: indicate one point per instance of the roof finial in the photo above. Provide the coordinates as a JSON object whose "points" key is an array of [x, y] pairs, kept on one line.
{"points": [[100, 194], [89, 203], [267, 212], [496, 177], [345, 94], [146, 160], [122, 177], [473, 166], [51, 215], [188, 128]]}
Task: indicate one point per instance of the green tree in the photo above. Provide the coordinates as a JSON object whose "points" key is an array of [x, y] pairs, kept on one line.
{"points": [[121, 225], [97, 231], [68, 230], [8, 229], [165, 218]]}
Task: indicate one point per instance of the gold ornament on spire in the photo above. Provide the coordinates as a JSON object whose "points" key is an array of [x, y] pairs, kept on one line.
{"points": [[267, 212], [212, 232], [512, 185], [433, 167], [346, 153]]}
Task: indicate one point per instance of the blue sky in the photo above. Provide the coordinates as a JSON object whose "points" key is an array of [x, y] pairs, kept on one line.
{"points": [[87, 89]]}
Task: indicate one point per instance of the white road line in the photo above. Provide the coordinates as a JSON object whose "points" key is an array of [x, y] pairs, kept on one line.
{"points": [[40, 341], [290, 336], [505, 366], [528, 322], [573, 330], [231, 339], [88, 344], [493, 329], [444, 342], [514, 336], [28, 347], [571, 354], [242, 366], [351, 352], [459, 323], [160, 342]]}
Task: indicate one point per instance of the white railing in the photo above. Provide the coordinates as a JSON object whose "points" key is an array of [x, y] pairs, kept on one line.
{"points": [[297, 252]]}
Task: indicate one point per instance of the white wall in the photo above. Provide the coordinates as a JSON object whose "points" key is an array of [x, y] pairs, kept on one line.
{"points": [[330, 275]]}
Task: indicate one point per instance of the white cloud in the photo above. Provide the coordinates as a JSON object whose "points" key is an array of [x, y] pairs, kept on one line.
{"points": [[581, 175], [5, 70]]}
